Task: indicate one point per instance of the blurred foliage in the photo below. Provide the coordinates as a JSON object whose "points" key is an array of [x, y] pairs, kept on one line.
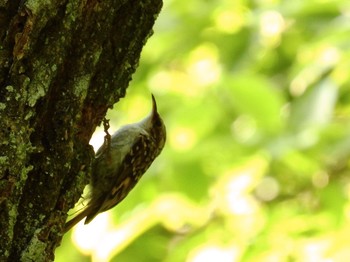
{"points": [[255, 96]]}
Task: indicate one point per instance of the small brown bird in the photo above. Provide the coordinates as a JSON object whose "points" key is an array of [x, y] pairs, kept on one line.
{"points": [[119, 166]]}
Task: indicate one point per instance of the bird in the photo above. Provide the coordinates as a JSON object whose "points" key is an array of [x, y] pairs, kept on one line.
{"points": [[120, 162]]}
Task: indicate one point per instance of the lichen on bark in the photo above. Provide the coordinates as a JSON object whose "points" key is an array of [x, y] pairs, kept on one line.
{"points": [[63, 63]]}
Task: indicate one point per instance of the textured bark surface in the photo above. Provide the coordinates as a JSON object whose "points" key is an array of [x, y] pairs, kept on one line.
{"points": [[63, 63]]}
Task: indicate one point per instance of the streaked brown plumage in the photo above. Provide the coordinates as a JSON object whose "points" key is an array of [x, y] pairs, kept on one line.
{"points": [[117, 168]]}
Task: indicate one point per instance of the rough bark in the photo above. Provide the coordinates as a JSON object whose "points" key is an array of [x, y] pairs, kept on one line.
{"points": [[63, 63]]}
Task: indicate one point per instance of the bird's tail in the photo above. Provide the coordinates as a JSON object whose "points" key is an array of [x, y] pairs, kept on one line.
{"points": [[75, 220]]}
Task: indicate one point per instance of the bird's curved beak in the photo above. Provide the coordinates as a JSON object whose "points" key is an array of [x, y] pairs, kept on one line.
{"points": [[154, 106]]}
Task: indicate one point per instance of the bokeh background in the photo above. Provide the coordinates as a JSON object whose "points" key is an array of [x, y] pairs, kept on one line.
{"points": [[255, 97]]}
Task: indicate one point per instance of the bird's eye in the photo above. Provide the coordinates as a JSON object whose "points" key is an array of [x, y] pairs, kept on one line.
{"points": [[157, 122]]}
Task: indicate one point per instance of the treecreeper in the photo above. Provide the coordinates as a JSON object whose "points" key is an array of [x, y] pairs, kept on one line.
{"points": [[120, 162]]}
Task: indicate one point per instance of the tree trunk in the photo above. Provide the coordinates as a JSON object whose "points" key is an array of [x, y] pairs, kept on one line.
{"points": [[63, 63]]}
